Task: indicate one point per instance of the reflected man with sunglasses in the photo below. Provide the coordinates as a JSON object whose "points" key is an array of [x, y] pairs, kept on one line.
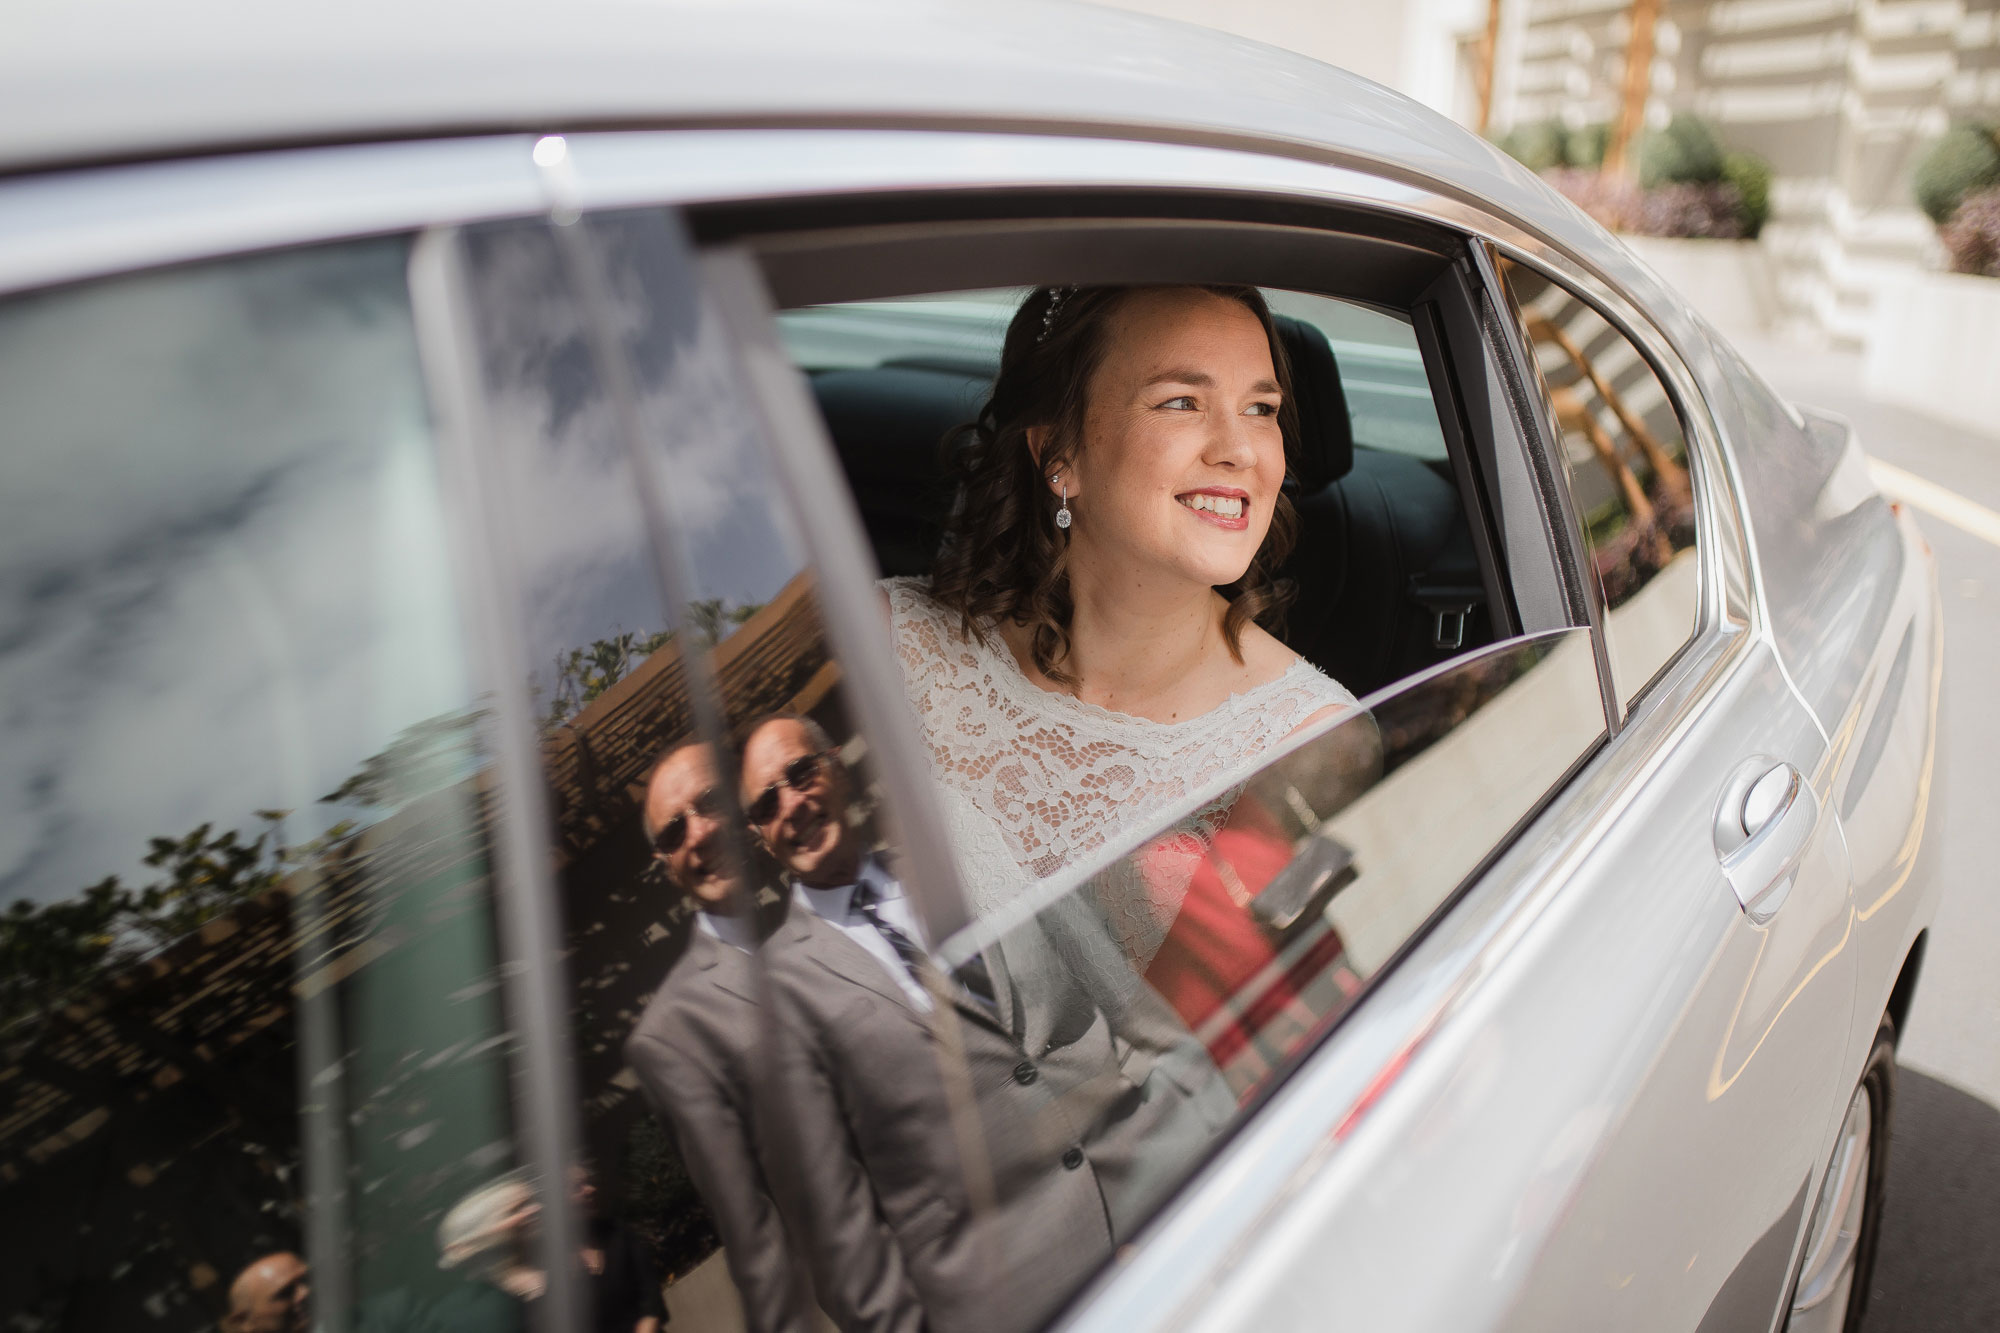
{"points": [[797, 797], [1074, 1133], [694, 1048]]}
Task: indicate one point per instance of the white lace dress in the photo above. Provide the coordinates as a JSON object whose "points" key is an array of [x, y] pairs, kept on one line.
{"points": [[1034, 781]]}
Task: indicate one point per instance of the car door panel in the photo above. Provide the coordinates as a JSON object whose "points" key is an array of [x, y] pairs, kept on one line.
{"points": [[1711, 1142], [1641, 1079], [1883, 746], [1847, 583]]}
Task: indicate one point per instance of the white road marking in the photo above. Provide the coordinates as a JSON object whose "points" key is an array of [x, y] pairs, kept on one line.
{"points": [[1936, 501]]}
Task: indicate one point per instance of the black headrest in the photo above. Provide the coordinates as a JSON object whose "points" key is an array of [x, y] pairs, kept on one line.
{"points": [[888, 421], [1326, 432], [888, 425]]}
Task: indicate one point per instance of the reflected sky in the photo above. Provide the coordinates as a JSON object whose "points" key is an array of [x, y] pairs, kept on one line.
{"points": [[577, 534], [224, 576], [223, 579]]}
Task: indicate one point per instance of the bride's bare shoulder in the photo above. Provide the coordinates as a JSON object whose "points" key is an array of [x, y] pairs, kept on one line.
{"points": [[1265, 657]]}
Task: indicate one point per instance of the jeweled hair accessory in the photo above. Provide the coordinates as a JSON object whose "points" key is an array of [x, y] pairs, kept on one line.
{"points": [[1057, 295]]}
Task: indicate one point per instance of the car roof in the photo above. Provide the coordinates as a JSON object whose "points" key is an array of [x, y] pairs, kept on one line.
{"points": [[87, 82]]}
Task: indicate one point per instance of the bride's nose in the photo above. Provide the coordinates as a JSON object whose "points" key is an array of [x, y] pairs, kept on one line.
{"points": [[1231, 442]]}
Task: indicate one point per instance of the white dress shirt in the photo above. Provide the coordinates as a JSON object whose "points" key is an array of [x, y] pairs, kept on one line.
{"points": [[739, 932], [835, 906]]}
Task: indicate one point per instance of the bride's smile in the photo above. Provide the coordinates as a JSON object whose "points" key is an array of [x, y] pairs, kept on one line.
{"points": [[1223, 506]]}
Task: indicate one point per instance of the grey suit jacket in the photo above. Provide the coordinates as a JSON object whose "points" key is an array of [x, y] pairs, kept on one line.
{"points": [[694, 1050], [968, 1169]]}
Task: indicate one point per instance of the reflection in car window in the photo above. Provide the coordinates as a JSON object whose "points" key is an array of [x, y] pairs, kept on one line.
{"points": [[1331, 858], [248, 991], [763, 1086], [1628, 470]]}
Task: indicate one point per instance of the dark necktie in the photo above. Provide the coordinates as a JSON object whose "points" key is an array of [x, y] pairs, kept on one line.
{"points": [[972, 974]]}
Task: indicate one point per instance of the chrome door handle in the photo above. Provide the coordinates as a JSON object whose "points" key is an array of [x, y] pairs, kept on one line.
{"points": [[1763, 825]]}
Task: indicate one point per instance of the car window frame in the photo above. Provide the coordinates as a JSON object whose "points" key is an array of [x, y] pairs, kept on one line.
{"points": [[1114, 1299], [1255, 1169], [801, 439], [1725, 606]]}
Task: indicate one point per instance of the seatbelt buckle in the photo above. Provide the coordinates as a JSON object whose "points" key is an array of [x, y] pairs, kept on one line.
{"points": [[1448, 626], [1449, 606]]}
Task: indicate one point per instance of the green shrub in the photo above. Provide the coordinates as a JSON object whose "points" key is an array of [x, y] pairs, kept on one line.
{"points": [[1547, 144], [1585, 146], [1751, 175], [1964, 161], [1539, 146], [1686, 152]]}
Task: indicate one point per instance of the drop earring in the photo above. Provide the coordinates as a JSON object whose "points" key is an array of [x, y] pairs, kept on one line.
{"points": [[1062, 515]]}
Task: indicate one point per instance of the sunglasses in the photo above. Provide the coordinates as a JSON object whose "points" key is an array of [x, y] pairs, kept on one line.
{"points": [[798, 775], [674, 832]]}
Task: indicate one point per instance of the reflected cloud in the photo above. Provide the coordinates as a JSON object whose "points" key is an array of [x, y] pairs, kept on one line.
{"points": [[260, 526]]}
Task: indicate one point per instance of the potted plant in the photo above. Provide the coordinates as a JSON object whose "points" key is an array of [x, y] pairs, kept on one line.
{"points": [[1689, 195], [1958, 184], [1932, 343]]}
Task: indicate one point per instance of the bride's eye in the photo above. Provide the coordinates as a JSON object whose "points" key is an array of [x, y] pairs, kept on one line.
{"points": [[1261, 410], [1184, 403]]}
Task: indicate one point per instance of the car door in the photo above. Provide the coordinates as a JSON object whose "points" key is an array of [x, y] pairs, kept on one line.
{"points": [[1421, 1168], [1699, 1189], [1641, 1069]]}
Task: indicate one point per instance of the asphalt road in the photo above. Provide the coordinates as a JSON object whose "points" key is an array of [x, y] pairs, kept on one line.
{"points": [[1938, 1269]]}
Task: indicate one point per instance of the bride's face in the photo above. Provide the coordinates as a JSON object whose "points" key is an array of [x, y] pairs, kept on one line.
{"points": [[1182, 455]]}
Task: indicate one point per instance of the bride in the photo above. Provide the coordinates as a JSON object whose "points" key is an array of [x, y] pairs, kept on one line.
{"points": [[1088, 651]]}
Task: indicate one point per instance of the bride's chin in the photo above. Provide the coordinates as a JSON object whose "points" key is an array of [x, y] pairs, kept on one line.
{"points": [[1176, 564]]}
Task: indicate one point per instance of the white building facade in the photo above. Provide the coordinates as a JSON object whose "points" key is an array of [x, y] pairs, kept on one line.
{"points": [[1842, 96]]}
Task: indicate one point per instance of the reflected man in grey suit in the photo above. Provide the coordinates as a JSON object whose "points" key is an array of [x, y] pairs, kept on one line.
{"points": [[695, 1045], [961, 1150]]}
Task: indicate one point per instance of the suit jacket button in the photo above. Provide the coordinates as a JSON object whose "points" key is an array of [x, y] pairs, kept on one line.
{"points": [[1025, 1073], [1072, 1159]]}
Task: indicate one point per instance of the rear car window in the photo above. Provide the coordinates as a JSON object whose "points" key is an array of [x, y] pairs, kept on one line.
{"points": [[1163, 946], [249, 992], [1627, 460]]}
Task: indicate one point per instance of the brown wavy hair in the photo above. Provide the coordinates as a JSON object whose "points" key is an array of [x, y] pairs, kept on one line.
{"points": [[1002, 555]]}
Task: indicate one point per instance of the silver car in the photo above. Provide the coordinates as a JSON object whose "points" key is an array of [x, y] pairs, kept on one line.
{"points": [[419, 422]]}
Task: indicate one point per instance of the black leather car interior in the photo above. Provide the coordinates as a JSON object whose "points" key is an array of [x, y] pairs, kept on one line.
{"points": [[1387, 579]]}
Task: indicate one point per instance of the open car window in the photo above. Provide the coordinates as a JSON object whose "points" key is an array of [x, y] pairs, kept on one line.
{"points": [[872, 1106], [1382, 367], [1386, 569]]}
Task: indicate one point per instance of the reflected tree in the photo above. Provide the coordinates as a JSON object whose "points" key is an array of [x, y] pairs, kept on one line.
{"points": [[48, 950], [582, 675], [713, 618]]}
